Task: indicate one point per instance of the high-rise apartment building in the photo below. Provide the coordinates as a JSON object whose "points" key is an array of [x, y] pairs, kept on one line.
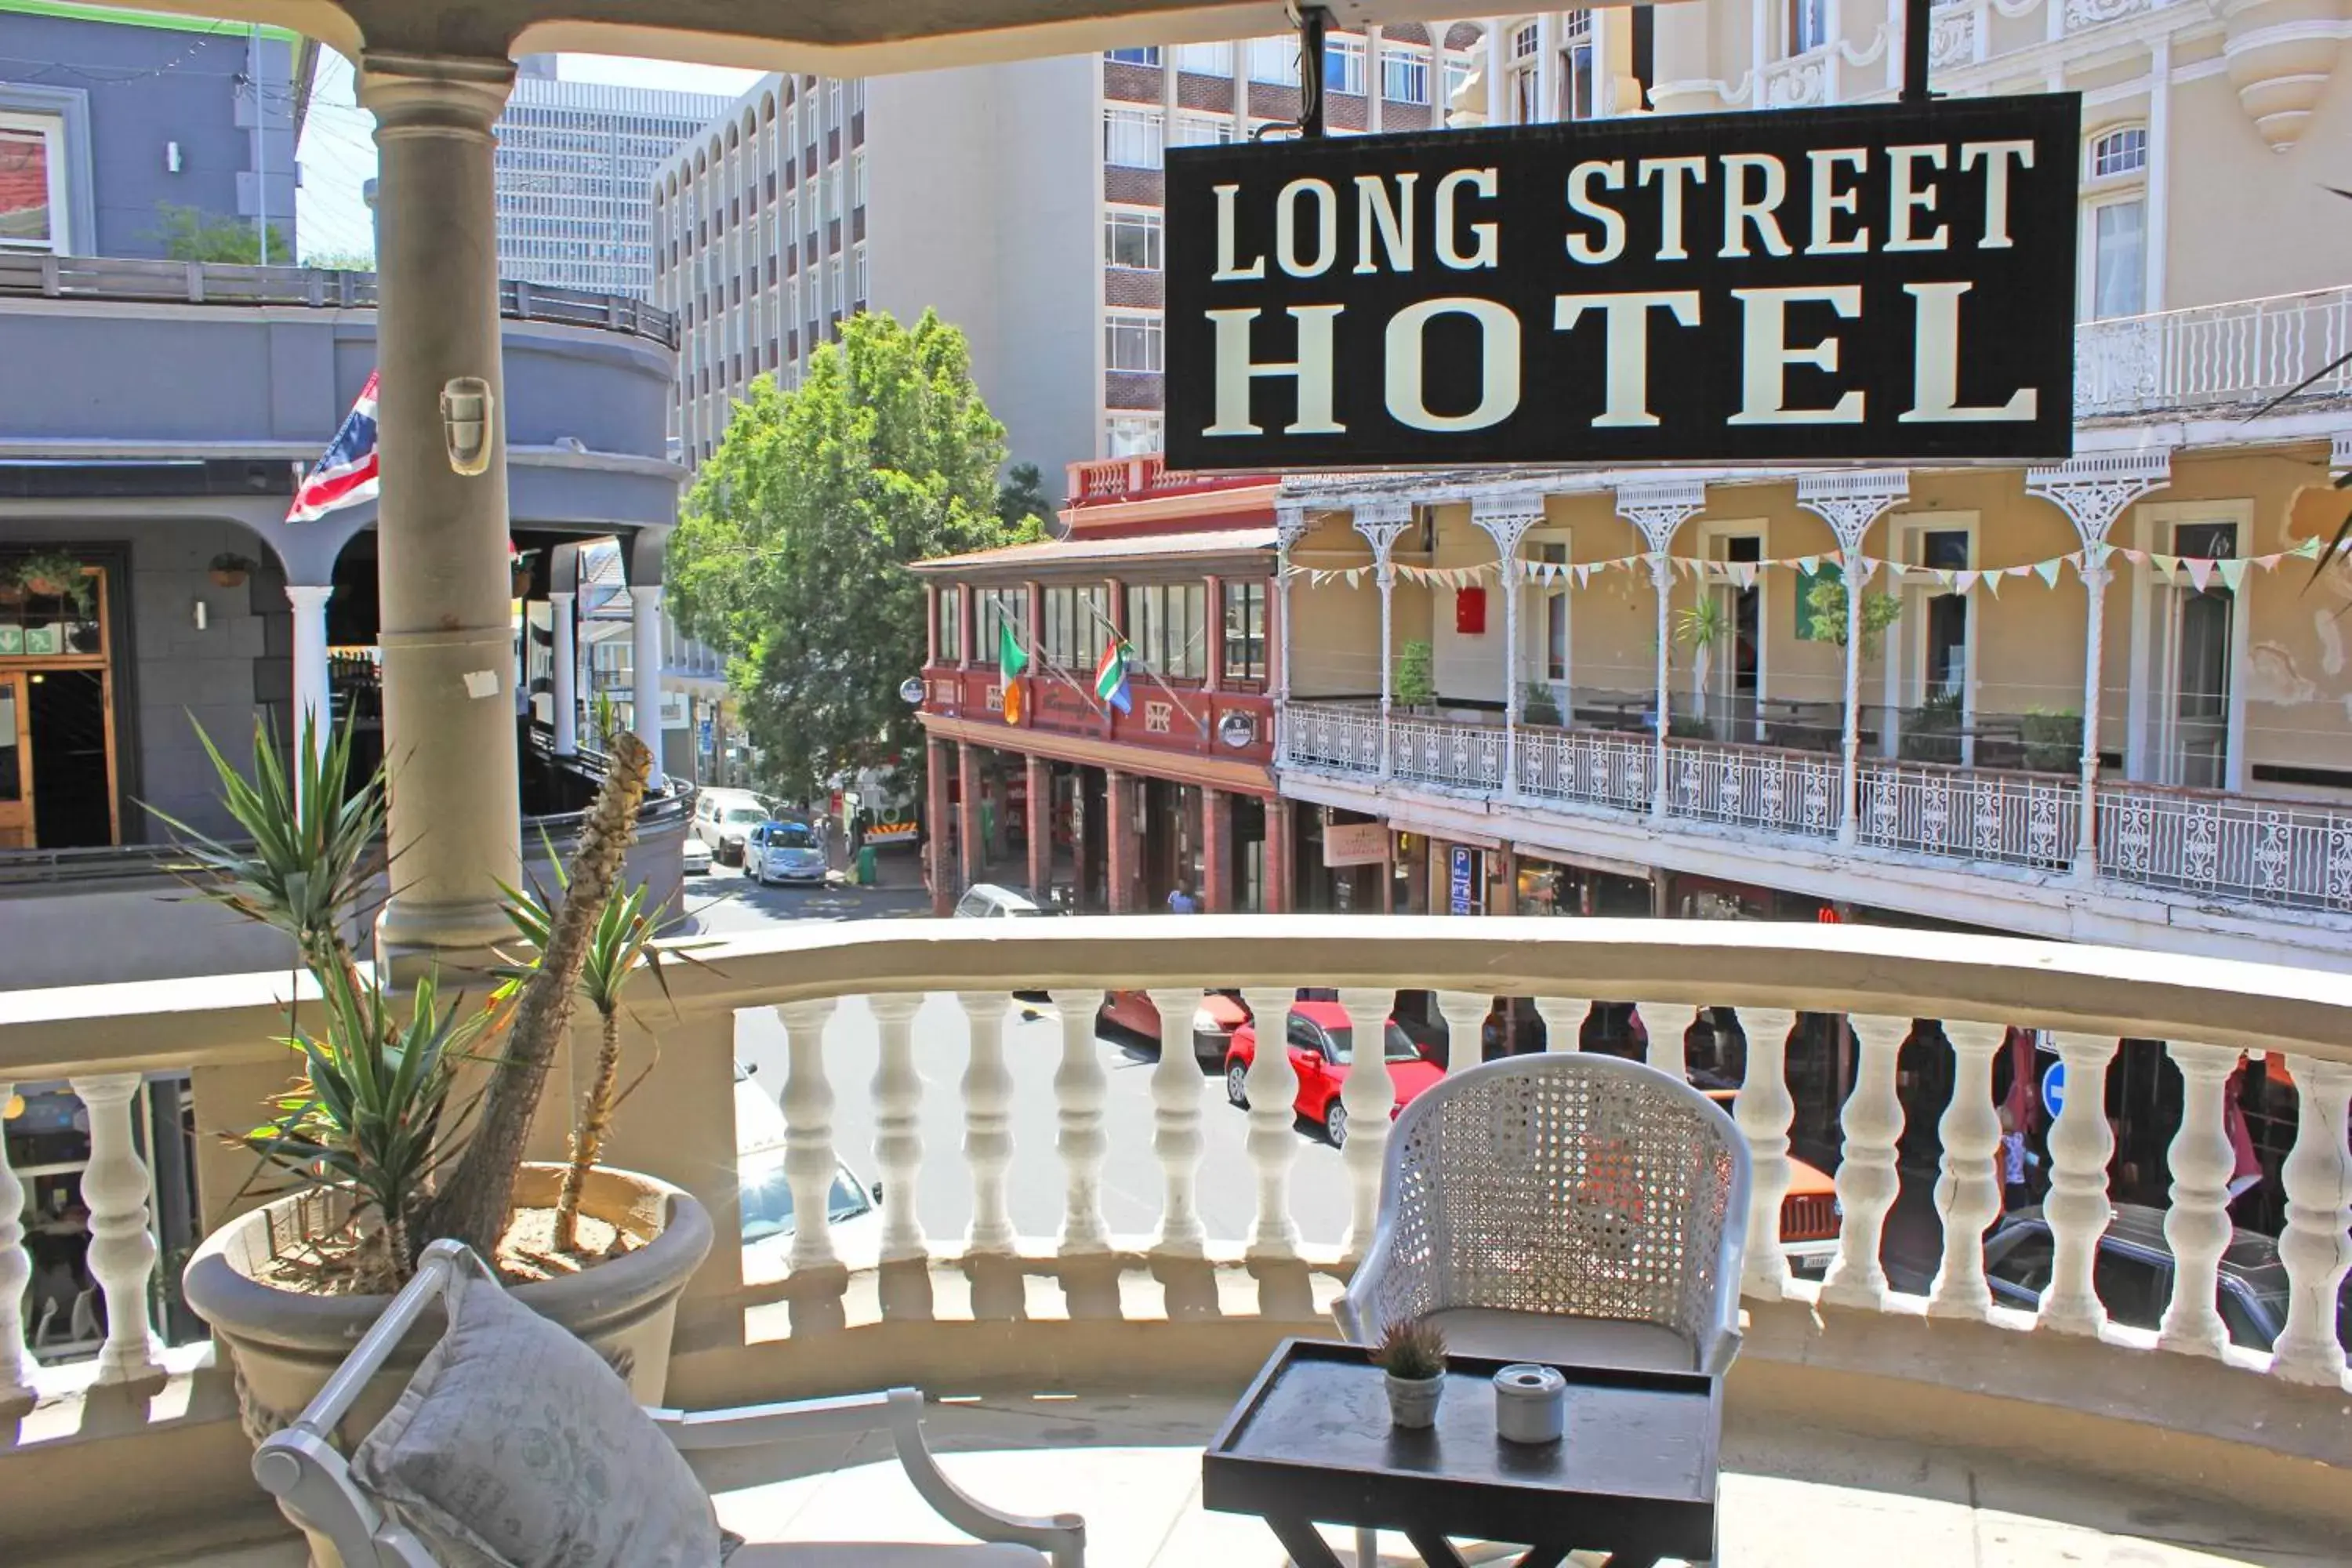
{"points": [[1021, 201], [575, 168]]}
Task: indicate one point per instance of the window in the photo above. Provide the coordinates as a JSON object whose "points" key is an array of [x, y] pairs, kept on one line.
{"points": [[1130, 434], [857, 179], [2119, 259], [1552, 628], [1273, 62], [1527, 42], [1576, 98], [1143, 56], [1074, 622], [998, 608], [33, 184], [1200, 130], [1205, 59], [859, 297], [1132, 239], [951, 619], [1244, 618], [1164, 628], [1526, 95], [1458, 71], [1132, 342], [1404, 76], [1131, 138], [1947, 661], [1809, 26], [2121, 151], [1343, 66]]}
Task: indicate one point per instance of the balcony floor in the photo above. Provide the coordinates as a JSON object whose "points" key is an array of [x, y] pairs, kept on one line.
{"points": [[1794, 1496]]}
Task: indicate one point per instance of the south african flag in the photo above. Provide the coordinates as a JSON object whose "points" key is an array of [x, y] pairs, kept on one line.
{"points": [[1111, 678]]}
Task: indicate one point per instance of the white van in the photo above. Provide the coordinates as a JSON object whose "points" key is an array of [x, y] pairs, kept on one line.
{"points": [[986, 900], [723, 819], [766, 1196]]}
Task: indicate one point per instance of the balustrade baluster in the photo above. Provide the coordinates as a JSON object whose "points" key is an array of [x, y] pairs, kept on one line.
{"points": [[16, 1274], [1176, 1091], [1967, 1183], [1666, 1024], [2196, 1225], [116, 1187], [1763, 1109], [1368, 1094], [898, 1127], [809, 1159], [1272, 1087], [1866, 1179], [987, 1120], [1465, 1027], [1081, 1089], [2318, 1180], [2081, 1144], [1563, 1019]]}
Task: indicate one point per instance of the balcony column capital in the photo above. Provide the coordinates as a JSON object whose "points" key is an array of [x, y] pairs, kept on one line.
{"points": [[1290, 525], [1661, 507], [1382, 524], [1851, 502], [434, 95], [2094, 491]]}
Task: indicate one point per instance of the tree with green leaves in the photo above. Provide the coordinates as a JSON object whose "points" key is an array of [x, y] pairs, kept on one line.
{"points": [[1022, 502], [192, 234], [790, 557], [340, 260]]}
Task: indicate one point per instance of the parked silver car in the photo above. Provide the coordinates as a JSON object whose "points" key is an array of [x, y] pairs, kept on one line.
{"points": [[784, 852]]}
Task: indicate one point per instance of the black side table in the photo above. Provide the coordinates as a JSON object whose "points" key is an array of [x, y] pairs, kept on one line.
{"points": [[1311, 1443]]}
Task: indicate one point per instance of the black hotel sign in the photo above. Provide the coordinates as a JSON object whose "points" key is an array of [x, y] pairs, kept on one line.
{"points": [[1875, 283]]}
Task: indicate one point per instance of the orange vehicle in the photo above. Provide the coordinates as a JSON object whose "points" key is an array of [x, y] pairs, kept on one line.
{"points": [[1808, 1214]]}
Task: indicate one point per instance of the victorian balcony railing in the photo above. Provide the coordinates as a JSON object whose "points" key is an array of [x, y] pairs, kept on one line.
{"points": [[2245, 849], [1073, 1300], [2211, 356]]}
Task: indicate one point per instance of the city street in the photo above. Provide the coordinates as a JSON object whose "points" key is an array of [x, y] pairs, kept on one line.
{"points": [[728, 903]]}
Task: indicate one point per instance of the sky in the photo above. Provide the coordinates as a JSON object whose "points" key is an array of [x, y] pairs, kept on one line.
{"points": [[338, 150]]}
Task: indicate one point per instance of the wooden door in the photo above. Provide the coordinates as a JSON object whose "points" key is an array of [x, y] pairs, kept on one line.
{"points": [[16, 764]]}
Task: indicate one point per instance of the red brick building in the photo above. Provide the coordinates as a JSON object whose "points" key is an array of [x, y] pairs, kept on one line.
{"points": [[1069, 797]]}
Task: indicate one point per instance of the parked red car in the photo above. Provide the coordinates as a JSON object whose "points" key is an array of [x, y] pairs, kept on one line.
{"points": [[1213, 1023], [1321, 1046]]}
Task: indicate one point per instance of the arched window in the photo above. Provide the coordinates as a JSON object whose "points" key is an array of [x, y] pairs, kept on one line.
{"points": [[2120, 151]]}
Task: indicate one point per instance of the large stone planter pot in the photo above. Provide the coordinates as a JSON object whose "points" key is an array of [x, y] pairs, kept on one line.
{"points": [[285, 1344]]}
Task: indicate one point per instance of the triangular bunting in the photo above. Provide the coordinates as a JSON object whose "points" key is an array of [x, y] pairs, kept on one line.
{"points": [[1944, 575], [1992, 583], [2234, 573], [2200, 571], [2167, 564], [2309, 549], [1962, 581], [1810, 565], [2048, 571], [2137, 557]]}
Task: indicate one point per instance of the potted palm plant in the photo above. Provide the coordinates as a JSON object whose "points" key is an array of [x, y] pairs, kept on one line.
{"points": [[380, 1145], [1700, 628]]}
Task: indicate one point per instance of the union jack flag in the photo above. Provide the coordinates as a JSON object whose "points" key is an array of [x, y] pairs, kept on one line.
{"points": [[345, 474]]}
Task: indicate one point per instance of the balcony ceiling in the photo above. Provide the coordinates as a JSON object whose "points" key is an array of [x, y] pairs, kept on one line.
{"points": [[840, 38]]}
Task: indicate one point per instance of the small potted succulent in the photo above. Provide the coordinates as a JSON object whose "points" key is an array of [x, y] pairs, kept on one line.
{"points": [[229, 568], [1413, 1352]]}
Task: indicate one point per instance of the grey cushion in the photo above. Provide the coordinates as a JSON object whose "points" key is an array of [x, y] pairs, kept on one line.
{"points": [[1570, 1342], [515, 1446]]}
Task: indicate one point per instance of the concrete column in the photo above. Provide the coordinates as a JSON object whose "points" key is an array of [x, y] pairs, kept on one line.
{"points": [[448, 636], [1279, 824], [566, 693], [1662, 895], [935, 760], [1041, 827], [1216, 851], [972, 857], [1118, 832], [645, 668], [314, 707], [2094, 591]]}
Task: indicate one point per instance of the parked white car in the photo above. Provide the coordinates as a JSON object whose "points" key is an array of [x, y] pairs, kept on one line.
{"points": [[723, 819], [766, 1196], [784, 852], [694, 857]]}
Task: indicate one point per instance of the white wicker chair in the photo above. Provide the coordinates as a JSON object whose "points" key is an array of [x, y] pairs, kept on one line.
{"points": [[315, 1489], [1566, 1208]]}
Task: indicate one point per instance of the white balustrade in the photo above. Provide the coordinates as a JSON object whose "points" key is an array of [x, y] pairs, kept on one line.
{"points": [[1081, 1090], [897, 1129], [1329, 738], [1272, 1087], [2077, 1207], [1867, 1181], [1446, 754], [2018, 820], [15, 1273], [1763, 1109], [1968, 1185], [2197, 1226], [1755, 786], [1595, 767], [1367, 1093], [988, 1121], [1563, 1019], [809, 1159], [2314, 1246], [1465, 1013], [1667, 1024], [2241, 352], [1176, 1094], [116, 1188]]}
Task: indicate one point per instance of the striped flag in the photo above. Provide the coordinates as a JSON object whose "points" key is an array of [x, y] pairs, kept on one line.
{"points": [[345, 474], [1111, 678]]}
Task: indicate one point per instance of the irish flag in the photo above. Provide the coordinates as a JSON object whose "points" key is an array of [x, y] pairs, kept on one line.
{"points": [[1111, 678], [1011, 660]]}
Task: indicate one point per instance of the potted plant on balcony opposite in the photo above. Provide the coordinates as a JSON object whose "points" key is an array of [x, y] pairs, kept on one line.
{"points": [[409, 1120], [1538, 705], [52, 575], [1702, 629], [1415, 687], [229, 570]]}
